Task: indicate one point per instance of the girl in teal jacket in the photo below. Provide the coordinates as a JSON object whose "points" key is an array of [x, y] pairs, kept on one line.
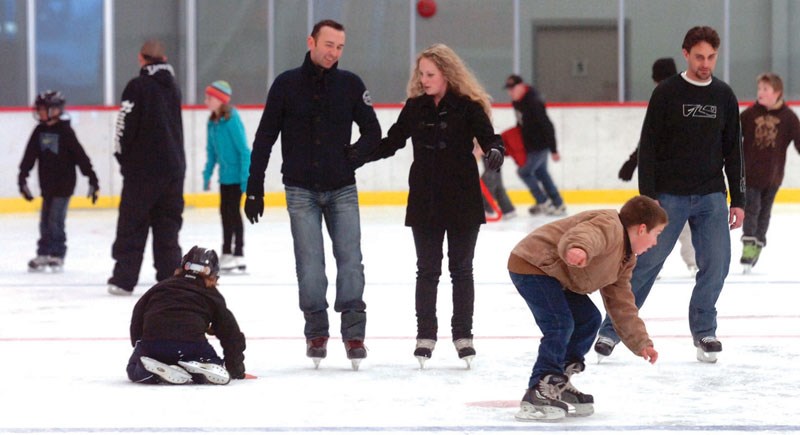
{"points": [[227, 146]]}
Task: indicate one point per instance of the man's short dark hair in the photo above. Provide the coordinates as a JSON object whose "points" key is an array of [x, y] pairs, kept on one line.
{"points": [[326, 23], [699, 34]]}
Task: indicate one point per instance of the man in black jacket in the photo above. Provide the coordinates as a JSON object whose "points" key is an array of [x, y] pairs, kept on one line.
{"points": [[149, 149], [313, 108]]}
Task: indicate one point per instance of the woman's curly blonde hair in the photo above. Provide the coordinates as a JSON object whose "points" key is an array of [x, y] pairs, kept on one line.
{"points": [[460, 80]]}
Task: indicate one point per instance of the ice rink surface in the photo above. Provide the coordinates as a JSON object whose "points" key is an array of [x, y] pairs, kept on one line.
{"points": [[64, 344]]}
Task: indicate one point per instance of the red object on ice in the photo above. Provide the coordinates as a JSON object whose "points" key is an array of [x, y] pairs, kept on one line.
{"points": [[515, 147], [498, 214], [426, 8]]}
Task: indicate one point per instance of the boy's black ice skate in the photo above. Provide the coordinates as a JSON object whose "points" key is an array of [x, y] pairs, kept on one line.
{"points": [[465, 349], [210, 373], [168, 373], [543, 401], [356, 352], [581, 405], [603, 347], [317, 349], [707, 349], [424, 350]]}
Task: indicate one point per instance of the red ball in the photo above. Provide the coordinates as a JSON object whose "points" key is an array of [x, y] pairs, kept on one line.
{"points": [[426, 8]]}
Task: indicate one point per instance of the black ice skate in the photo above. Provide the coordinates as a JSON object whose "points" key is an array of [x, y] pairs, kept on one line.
{"points": [[424, 350], [603, 347], [210, 373], [465, 350], [168, 373], [581, 405], [751, 250], [543, 401], [356, 352], [707, 349], [317, 349]]}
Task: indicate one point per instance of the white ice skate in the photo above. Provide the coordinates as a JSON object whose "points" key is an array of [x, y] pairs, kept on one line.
{"points": [[171, 374], [707, 349], [465, 349], [424, 351], [214, 373]]}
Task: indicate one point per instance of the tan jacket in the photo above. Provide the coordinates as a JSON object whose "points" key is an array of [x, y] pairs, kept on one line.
{"points": [[609, 265]]}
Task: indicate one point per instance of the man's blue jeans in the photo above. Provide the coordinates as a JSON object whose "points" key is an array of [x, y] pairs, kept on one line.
{"points": [[533, 172], [708, 219], [340, 210], [568, 321], [52, 237]]}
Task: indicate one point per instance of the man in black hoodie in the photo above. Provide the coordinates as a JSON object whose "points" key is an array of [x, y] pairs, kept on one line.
{"points": [[149, 149]]}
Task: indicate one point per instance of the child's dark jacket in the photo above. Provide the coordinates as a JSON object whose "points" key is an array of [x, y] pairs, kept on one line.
{"points": [[182, 309]]}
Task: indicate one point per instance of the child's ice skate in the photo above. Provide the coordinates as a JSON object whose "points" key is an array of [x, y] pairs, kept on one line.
{"points": [[168, 373], [543, 401], [424, 350], [44, 263], [465, 349], [707, 349], [751, 250], [211, 373]]}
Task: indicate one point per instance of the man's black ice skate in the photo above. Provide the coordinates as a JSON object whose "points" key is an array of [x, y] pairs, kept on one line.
{"points": [[207, 372], [356, 352], [465, 349], [317, 349], [603, 347], [543, 401], [171, 374], [424, 350], [581, 405], [707, 349]]}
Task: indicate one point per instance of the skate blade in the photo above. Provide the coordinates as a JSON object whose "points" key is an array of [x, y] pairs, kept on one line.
{"points": [[468, 359], [706, 357], [528, 413], [422, 360], [316, 362], [355, 363], [747, 268], [36, 269], [580, 409], [213, 373], [171, 374]]}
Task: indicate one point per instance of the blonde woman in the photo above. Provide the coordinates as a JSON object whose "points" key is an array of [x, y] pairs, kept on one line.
{"points": [[447, 109]]}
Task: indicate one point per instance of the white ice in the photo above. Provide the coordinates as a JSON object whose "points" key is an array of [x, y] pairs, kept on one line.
{"points": [[64, 344]]}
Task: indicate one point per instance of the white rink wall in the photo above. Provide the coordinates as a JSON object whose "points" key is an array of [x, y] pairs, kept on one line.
{"points": [[593, 142]]}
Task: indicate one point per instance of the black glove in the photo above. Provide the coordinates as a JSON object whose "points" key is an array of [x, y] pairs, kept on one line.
{"points": [[235, 369], [353, 155], [26, 193], [253, 207], [93, 189], [626, 171], [494, 159]]}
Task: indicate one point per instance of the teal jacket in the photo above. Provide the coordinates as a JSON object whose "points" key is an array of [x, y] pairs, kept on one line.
{"points": [[227, 145]]}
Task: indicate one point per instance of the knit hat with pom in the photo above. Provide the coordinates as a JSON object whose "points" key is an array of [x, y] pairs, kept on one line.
{"points": [[220, 89]]}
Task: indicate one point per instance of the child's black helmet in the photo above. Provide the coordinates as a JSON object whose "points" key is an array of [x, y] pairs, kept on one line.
{"points": [[50, 99], [201, 261]]}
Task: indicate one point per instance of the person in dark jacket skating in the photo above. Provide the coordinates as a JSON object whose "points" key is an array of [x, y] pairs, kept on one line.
{"points": [[54, 145], [313, 109], [446, 111], [149, 149], [768, 127], [170, 322]]}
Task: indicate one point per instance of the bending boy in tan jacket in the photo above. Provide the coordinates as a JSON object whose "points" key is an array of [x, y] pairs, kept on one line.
{"points": [[554, 269]]}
